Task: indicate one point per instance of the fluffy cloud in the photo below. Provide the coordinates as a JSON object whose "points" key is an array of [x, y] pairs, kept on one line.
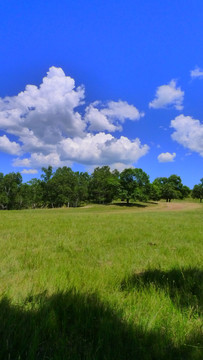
{"points": [[188, 132], [196, 73], [52, 132], [166, 157], [98, 121], [38, 160], [102, 149], [9, 147], [168, 95], [121, 110], [110, 116], [29, 171], [42, 116], [91, 150]]}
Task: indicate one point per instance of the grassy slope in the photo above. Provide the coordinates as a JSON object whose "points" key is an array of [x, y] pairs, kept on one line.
{"points": [[101, 283]]}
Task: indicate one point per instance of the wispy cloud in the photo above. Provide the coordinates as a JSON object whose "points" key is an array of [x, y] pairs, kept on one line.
{"points": [[29, 171], [196, 73]]}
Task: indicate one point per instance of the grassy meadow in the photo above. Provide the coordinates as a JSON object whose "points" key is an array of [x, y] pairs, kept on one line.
{"points": [[102, 282]]}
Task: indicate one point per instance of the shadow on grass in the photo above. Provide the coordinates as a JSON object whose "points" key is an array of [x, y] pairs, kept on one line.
{"points": [[129, 204], [78, 327], [185, 287]]}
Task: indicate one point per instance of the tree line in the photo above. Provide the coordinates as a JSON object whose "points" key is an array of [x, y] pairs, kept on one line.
{"points": [[64, 187]]}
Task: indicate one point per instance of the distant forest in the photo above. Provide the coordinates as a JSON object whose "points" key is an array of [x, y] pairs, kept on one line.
{"points": [[64, 187]]}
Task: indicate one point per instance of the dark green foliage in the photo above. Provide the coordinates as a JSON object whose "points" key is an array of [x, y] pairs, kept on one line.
{"points": [[104, 185], [155, 192], [3, 195], [10, 197], [185, 192], [197, 192], [64, 187], [48, 173], [171, 188], [134, 184], [67, 188], [36, 192]]}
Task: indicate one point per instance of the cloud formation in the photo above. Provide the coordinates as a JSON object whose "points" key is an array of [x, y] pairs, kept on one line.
{"points": [[9, 147], [168, 96], [49, 124], [196, 73], [46, 113], [29, 171], [110, 116], [102, 149], [188, 132], [38, 160], [166, 157], [98, 121]]}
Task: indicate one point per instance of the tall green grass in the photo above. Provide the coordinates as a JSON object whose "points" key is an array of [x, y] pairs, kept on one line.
{"points": [[102, 282]]}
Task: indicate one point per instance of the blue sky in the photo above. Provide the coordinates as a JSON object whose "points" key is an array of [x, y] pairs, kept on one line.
{"points": [[112, 83]]}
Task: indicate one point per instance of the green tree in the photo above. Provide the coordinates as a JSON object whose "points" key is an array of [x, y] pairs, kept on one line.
{"points": [[24, 196], [36, 188], [103, 185], [197, 192], [185, 192], [134, 184], [48, 173], [63, 188], [168, 192], [171, 188], [3, 195], [10, 185], [46, 186], [155, 192], [82, 187]]}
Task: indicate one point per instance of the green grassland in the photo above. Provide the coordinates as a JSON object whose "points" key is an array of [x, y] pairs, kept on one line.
{"points": [[102, 282]]}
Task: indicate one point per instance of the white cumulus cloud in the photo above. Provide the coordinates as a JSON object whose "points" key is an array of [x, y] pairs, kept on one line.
{"points": [[46, 112], [39, 160], [196, 73], [121, 110], [9, 147], [188, 132], [98, 121], [102, 149], [166, 157], [110, 116], [51, 130], [168, 96]]}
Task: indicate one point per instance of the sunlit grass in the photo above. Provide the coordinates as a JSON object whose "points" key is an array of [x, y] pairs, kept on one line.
{"points": [[130, 277]]}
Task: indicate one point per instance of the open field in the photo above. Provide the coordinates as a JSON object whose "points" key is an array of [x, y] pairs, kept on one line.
{"points": [[102, 282]]}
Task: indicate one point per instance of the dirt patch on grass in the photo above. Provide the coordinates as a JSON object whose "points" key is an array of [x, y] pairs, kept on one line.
{"points": [[161, 206], [171, 206], [136, 207]]}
